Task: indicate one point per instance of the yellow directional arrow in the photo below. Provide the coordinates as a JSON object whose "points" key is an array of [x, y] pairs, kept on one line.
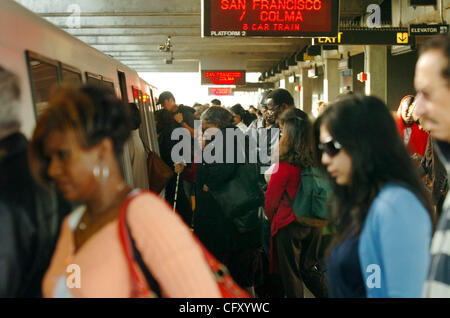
{"points": [[402, 37]]}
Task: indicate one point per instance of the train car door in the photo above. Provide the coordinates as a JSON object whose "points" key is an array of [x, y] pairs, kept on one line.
{"points": [[123, 86], [144, 130], [151, 107]]}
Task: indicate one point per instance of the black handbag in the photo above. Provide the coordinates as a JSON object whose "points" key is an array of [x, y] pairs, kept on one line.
{"points": [[250, 221], [240, 194]]}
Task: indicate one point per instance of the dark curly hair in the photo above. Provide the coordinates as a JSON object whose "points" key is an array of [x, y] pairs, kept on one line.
{"points": [[93, 113], [219, 116], [281, 96]]}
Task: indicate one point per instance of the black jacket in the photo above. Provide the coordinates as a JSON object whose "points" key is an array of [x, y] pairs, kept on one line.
{"points": [[437, 175], [165, 124], [30, 218], [214, 230]]}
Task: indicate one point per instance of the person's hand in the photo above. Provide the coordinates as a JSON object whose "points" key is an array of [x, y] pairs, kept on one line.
{"points": [[179, 167], [205, 188], [178, 117]]}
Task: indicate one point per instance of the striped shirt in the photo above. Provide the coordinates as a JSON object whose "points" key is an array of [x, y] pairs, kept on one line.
{"points": [[438, 283]]}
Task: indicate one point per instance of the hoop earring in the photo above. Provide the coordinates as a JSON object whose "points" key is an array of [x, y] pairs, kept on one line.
{"points": [[102, 172], [105, 172], [96, 171]]}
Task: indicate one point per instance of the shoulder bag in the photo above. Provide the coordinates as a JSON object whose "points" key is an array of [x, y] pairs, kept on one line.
{"points": [[144, 285]]}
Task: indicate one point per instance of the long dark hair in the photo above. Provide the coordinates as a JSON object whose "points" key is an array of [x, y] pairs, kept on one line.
{"points": [[295, 145], [366, 130]]}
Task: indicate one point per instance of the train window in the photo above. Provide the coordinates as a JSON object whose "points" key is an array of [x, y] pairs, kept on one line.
{"points": [[70, 75], [94, 79], [43, 76], [108, 83], [123, 86]]}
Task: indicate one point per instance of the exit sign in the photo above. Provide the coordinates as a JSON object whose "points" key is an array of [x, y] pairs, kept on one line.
{"points": [[223, 77]]}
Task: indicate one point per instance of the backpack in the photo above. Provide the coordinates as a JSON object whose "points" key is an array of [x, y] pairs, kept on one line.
{"points": [[144, 285], [310, 202]]}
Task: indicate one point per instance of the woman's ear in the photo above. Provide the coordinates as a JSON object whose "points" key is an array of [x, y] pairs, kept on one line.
{"points": [[283, 107], [105, 147]]}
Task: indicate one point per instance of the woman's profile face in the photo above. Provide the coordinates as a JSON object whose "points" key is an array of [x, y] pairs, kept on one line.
{"points": [[236, 119], [338, 166], [70, 166], [208, 130]]}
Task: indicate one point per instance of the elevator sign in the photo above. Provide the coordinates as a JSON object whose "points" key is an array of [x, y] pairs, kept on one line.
{"points": [[213, 77], [272, 18]]}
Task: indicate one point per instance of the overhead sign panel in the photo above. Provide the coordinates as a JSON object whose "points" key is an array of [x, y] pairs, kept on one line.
{"points": [[368, 37], [220, 91], [344, 64], [428, 29], [422, 2], [215, 77], [272, 18]]}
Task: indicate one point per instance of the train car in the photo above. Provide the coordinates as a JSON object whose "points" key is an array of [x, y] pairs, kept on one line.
{"points": [[44, 56]]}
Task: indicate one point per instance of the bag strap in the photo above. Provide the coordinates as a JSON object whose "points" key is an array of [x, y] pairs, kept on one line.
{"points": [[151, 281], [139, 286], [291, 202]]}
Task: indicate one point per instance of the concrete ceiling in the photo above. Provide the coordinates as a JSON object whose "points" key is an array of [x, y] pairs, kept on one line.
{"points": [[132, 31]]}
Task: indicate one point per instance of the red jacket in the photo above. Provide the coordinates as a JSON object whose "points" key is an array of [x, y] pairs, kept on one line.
{"points": [[277, 207], [418, 140]]}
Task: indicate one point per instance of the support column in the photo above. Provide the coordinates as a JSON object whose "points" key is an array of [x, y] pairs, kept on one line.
{"points": [[375, 65], [331, 81], [290, 87], [306, 92], [296, 94]]}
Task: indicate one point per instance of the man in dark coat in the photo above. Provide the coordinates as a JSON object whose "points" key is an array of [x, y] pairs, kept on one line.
{"points": [[29, 218], [168, 119]]}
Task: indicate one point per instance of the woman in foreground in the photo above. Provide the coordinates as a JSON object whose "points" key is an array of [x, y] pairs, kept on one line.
{"points": [[76, 146], [380, 212]]}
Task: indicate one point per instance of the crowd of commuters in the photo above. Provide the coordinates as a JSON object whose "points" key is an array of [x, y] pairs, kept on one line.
{"points": [[63, 194]]}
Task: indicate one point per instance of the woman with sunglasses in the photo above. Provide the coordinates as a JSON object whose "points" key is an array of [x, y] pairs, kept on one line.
{"points": [[379, 211], [294, 247]]}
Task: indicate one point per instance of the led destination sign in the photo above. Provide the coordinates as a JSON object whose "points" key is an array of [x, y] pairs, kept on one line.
{"points": [[223, 77], [220, 91], [279, 18]]}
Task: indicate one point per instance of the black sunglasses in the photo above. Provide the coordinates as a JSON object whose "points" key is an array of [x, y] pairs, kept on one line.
{"points": [[330, 147]]}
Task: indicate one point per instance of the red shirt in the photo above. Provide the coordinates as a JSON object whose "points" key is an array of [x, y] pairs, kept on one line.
{"points": [[418, 138], [277, 207]]}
